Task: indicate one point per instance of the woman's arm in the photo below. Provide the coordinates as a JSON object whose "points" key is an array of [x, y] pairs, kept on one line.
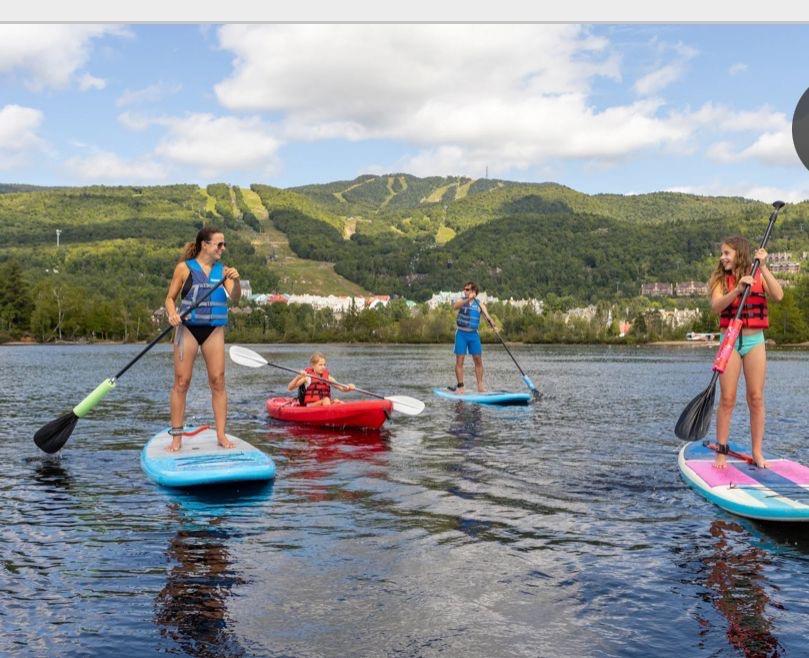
{"points": [[232, 284], [178, 278]]}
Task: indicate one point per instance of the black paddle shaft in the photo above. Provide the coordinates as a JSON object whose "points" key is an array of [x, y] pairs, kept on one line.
{"points": [[756, 264], [503, 343], [166, 330]]}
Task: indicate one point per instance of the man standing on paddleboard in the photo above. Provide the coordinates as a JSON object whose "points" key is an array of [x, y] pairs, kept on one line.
{"points": [[467, 338]]}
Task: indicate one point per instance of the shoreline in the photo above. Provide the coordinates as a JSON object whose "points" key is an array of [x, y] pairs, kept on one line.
{"points": [[660, 343]]}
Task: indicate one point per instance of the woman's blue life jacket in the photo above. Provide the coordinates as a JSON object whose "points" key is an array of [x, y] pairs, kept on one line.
{"points": [[213, 312], [469, 316]]}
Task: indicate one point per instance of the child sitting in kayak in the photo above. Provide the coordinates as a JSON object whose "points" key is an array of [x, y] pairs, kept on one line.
{"points": [[314, 384]]}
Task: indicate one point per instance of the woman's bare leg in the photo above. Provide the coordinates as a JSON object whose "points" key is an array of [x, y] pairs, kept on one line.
{"points": [[182, 380], [213, 351]]}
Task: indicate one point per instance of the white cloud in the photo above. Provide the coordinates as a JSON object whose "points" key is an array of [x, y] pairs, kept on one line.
{"points": [[87, 81], [215, 145], [134, 121], [653, 82], [48, 55], [662, 77], [722, 152], [461, 93], [110, 167], [737, 68], [150, 94], [721, 118], [774, 147], [18, 134], [764, 193]]}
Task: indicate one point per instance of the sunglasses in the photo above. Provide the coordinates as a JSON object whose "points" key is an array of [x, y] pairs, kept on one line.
{"points": [[468, 289], [218, 245]]}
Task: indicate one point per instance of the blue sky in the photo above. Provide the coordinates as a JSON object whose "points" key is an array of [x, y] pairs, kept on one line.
{"points": [[600, 108]]}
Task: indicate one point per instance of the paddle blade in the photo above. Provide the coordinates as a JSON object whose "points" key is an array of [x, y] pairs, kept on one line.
{"points": [[406, 405], [52, 436], [696, 417], [245, 357], [534, 389]]}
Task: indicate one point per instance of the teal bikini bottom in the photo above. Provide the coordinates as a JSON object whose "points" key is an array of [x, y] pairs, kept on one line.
{"points": [[748, 342]]}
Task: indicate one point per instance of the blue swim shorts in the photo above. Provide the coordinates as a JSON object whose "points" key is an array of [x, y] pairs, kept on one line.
{"points": [[467, 342]]}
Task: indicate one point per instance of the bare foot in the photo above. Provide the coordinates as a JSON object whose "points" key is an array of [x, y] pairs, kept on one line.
{"points": [[759, 459], [225, 442], [719, 460], [481, 390], [176, 444]]}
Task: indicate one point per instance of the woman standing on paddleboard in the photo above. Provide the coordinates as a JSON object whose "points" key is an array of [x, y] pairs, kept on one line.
{"points": [[726, 286], [198, 271]]}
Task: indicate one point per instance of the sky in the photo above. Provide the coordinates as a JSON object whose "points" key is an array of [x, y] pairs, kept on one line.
{"points": [[616, 108]]}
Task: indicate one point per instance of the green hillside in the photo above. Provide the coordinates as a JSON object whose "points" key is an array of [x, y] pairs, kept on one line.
{"points": [[395, 234]]}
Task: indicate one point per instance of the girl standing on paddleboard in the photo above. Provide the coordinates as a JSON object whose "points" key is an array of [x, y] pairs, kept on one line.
{"points": [[198, 271], [467, 338], [726, 286]]}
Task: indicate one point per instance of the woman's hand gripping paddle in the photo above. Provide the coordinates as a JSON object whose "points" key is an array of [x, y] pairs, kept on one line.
{"points": [[696, 417], [536, 393], [53, 435], [401, 403]]}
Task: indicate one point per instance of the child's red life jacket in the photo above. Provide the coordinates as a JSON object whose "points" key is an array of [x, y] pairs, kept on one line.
{"points": [[317, 389], [754, 313]]}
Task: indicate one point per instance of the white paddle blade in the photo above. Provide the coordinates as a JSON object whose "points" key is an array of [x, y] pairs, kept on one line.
{"points": [[245, 357], [406, 405]]}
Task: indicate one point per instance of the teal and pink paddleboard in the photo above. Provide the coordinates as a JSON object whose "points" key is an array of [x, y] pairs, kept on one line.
{"points": [[779, 492], [202, 461]]}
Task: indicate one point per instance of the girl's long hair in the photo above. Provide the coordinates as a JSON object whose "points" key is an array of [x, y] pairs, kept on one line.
{"points": [[191, 249], [742, 266]]}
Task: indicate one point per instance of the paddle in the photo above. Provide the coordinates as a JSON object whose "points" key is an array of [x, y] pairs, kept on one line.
{"points": [[402, 403], [525, 378], [696, 417], [53, 435], [732, 453]]}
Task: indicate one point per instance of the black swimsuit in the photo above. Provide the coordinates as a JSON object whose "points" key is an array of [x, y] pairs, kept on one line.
{"points": [[199, 332]]}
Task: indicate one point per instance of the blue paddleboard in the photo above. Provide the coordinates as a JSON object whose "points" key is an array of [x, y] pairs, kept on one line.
{"points": [[779, 492], [201, 461], [494, 397]]}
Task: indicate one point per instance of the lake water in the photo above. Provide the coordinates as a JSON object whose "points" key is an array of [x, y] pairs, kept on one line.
{"points": [[561, 528]]}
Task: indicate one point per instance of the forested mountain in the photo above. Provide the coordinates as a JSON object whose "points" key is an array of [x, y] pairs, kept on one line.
{"points": [[515, 238], [395, 234]]}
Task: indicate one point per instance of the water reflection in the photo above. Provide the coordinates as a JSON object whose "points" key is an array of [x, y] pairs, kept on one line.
{"points": [[51, 475], [467, 421], [320, 455], [738, 589], [191, 609]]}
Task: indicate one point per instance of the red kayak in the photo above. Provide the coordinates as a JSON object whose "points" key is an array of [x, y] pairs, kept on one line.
{"points": [[366, 414]]}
